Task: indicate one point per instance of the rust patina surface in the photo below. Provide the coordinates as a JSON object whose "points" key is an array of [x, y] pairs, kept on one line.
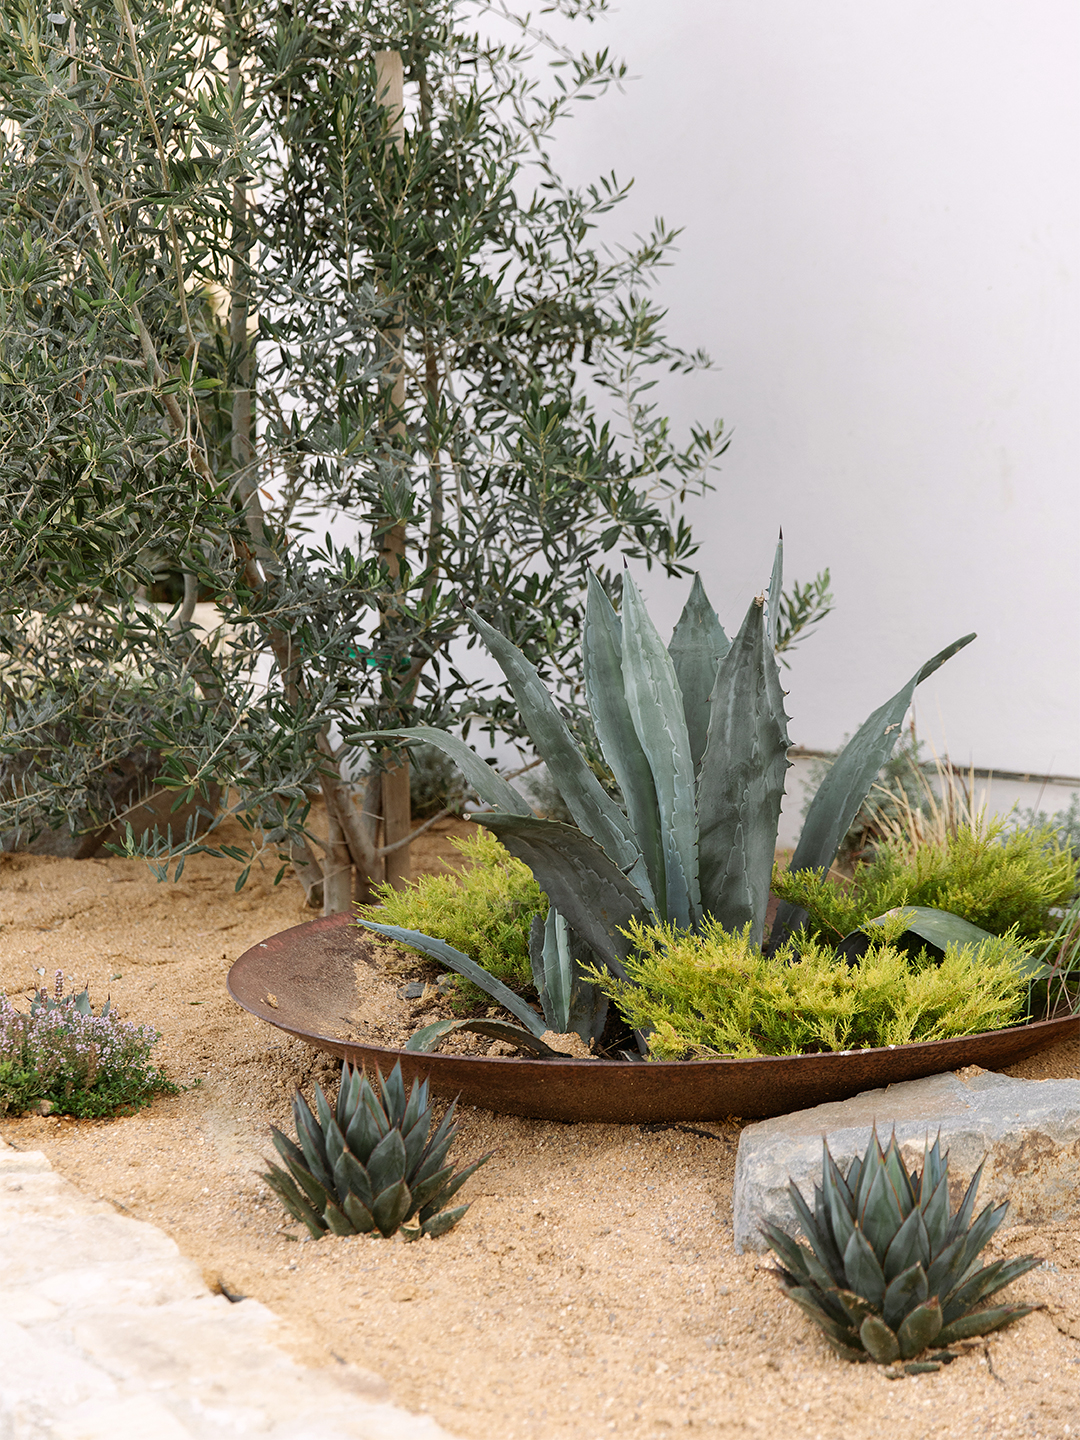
{"points": [[309, 971]]}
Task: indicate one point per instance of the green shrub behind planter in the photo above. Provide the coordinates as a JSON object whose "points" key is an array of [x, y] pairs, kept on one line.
{"points": [[483, 910], [995, 880]]}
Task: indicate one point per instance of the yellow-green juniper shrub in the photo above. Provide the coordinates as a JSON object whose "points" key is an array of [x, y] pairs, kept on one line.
{"points": [[995, 880], [716, 994], [484, 910]]}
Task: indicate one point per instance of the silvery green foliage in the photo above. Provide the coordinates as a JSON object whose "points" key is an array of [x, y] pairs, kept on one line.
{"points": [[696, 735], [208, 231]]}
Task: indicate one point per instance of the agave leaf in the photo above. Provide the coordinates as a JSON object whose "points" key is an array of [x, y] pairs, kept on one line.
{"points": [[821, 1241], [440, 1224], [579, 879], [337, 1221], [295, 1202], [936, 928], [809, 1302], [416, 1111], [556, 973], [386, 1164], [846, 1352], [920, 1328], [879, 1340], [352, 1179], [455, 960], [372, 1104], [962, 1219], [430, 1165], [586, 1005], [359, 1214], [1010, 1271], [435, 1154], [601, 653], [423, 1191], [829, 1167], [934, 1165], [311, 1142], [826, 1283], [655, 703], [415, 1141], [857, 1308], [790, 1251], [334, 1141], [593, 810], [847, 785], [854, 1175], [391, 1206], [452, 1186], [946, 1271], [936, 1215], [348, 1095], [881, 1218], [775, 595], [902, 1294], [319, 1195], [984, 1283], [872, 1165], [287, 1149], [863, 1270], [910, 1245], [741, 783], [982, 1229], [364, 1131], [966, 1295], [489, 785], [697, 646], [838, 1202], [393, 1094], [982, 1322], [322, 1109], [431, 1037], [898, 1175]]}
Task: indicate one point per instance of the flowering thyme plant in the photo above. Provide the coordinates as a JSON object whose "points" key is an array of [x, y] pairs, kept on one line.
{"points": [[80, 1063]]}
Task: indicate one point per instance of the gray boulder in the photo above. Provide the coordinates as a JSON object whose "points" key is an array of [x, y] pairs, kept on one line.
{"points": [[1027, 1131]]}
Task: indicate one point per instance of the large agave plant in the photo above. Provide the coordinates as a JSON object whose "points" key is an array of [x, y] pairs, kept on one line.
{"points": [[696, 736], [890, 1271], [369, 1163]]}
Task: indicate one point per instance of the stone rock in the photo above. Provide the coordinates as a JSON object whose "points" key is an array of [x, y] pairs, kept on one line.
{"points": [[1027, 1131], [107, 1332]]}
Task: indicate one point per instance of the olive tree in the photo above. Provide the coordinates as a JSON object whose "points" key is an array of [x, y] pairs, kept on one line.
{"points": [[298, 322]]}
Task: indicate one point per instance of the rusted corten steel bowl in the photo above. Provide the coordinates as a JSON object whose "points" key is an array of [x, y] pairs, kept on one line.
{"points": [[309, 971]]}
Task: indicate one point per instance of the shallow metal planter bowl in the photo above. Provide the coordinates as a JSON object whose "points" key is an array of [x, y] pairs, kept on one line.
{"points": [[303, 981]]}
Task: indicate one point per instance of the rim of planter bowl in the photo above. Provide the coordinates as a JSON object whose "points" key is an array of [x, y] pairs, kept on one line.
{"points": [[302, 981]]}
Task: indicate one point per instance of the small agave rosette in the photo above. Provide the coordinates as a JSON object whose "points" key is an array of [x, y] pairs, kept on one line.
{"points": [[890, 1271], [371, 1163]]}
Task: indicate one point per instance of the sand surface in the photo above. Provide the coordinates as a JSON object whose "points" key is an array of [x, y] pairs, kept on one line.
{"points": [[591, 1290]]}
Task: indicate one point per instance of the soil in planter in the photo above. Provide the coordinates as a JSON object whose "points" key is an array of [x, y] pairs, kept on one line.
{"points": [[591, 1290]]}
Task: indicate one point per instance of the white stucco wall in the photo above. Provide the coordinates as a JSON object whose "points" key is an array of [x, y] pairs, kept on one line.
{"points": [[880, 252]]}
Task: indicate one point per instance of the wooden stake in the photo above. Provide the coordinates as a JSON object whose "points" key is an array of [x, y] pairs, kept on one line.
{"points": [[337, 869]]}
